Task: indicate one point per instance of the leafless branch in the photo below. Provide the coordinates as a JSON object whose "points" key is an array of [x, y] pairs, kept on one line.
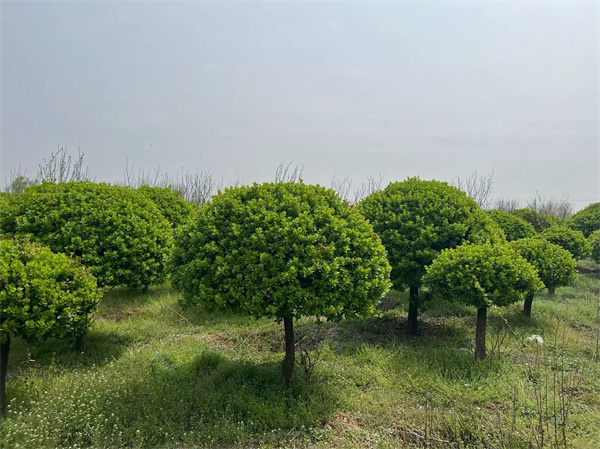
{"points": [[288, 173], [478, 187], [365, 189]]}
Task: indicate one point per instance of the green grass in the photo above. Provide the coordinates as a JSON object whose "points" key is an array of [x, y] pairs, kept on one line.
{"points": [[153, 375]]}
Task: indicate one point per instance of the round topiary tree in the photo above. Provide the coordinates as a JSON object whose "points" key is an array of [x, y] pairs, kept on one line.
{"points": [[586, 220], [284, 251], [569, 239], [514, 228], [42, 295], [535, 219], [171, 205], [594, 242], [417, 219], [115, 231], [481, 276], [555, 266]]}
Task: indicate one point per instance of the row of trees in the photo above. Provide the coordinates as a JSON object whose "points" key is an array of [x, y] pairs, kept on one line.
{"points": [[61, 243], [287, 250]]}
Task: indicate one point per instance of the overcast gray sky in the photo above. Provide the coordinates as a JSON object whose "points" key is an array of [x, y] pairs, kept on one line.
{"points": [[435, 89]]}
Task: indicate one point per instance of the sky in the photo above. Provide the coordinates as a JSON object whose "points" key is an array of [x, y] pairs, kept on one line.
{"points": [[346, 89]]}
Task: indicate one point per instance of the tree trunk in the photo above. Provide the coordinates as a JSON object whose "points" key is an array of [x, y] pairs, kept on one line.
{"points": [[145, 289], [413, 309], [480, 333], [4, 347], [527, 304], [287, 366], [552, 290], [80, 343]]}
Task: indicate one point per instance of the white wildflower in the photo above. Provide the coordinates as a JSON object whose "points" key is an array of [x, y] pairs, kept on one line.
{"points": [[535, 338]]}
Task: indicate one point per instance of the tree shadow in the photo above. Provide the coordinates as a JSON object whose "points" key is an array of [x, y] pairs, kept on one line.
{"points": [[519, 321], [208, 317], [217, 401], [117, 299], [392, 329], [101, 348]]}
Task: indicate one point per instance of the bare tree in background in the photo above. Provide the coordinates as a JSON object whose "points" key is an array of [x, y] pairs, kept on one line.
{"points": [[61, 167], [288, 173], [507, 204], [342, 187], [551, 207], [365, 189], [142, 178], [196, 188], [18, 181], [478, 187]]}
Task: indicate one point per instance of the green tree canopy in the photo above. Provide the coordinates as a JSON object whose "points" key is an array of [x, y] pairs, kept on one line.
{"points": [[417, 219], [514, 228], [569, 239], [171, 205], [281, 250], [594, 241], [535, 219], [42, 295], [115, 231], [481, 276], [586, 220], [555, 265]]}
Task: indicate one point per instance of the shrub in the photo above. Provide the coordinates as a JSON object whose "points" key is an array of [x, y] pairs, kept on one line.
{"points": [[171, 205], [514, 228], [282, 250], [535, 219], [594, 241], [483, 229], [569, 239], [42, 295], [586, 220], [481, 276], [115, 231], [555, 266], [416, 220]]}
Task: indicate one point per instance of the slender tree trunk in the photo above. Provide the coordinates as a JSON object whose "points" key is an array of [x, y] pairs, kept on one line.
{"points": [[527, 304], [552, 290], [80, 341], [480, 333], [413, 309], [145, 289], [4, 347], [287, 366]]}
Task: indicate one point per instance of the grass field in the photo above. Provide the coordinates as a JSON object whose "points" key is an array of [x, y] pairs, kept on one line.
{"points": [[153, 375]]}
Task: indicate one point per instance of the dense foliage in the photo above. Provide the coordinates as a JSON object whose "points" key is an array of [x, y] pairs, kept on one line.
{"points": [[569, 239], [42, 295], [586, 220], [115, 231], [481, 276], [171, 205], [282, 250], [555, 266], [594, 241], [416, 219], [514, 228], [535, 219], [483, 229]]}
